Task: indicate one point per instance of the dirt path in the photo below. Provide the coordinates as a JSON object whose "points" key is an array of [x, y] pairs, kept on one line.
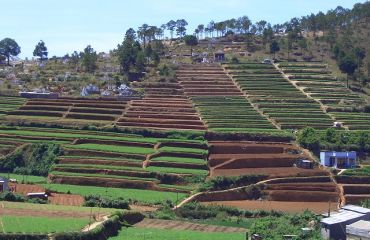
{"points": [[181, 225], [94, 225], [301, 89]]}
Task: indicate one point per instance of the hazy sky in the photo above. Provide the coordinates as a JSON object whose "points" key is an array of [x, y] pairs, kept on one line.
{"points": [[68, 25]]}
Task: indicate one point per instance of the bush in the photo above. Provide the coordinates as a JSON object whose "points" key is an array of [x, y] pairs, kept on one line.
{"points": [[221, 183], [12, 197], [97, 201], [32, 159], [309, 138], [234, 60]]}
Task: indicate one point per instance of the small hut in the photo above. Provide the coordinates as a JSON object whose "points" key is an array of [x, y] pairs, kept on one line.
{"points": [[219, 56]]}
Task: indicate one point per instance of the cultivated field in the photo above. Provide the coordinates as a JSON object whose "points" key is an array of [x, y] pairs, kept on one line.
{"points": [[277, 98]]}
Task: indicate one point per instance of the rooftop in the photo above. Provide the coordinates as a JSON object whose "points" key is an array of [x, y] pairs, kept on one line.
{"points": [[359, 228], [341, 217], [357, 209]]}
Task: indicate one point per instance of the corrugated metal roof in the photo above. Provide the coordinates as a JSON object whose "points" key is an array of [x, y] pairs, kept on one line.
{"points": [[341, 217], [360, 228], [356, 209]]}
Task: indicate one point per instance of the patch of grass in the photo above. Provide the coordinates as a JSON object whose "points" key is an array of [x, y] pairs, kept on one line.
{"points": [[360, 172], [32, 224], [165, 234], [52, 207], [134, 195], [178, 170], [186, 150], [100, 176], [112, 148], [180, 160], [24, 178]]}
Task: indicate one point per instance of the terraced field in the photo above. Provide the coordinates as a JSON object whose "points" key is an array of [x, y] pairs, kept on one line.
{"points": [[164, 107], [355, 184], [277, 98], [220, 103], [248, 158], [9, 104], [69, 109], [118, 160], [316, 80], [293, 194]]}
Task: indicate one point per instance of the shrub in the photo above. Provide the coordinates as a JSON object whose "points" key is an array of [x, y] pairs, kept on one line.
{"points": [[97, 201], [309, 138], [11, 197], [33, 159], [234, 60], [221, 183]]}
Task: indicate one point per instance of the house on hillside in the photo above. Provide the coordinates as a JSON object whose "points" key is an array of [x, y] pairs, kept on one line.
{"points": [[219, 56], [4, 186], [339, 159], [334, 226]]}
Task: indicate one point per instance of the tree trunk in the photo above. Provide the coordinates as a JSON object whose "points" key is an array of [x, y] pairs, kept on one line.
{"points": [[8, 57], [347, 81]]}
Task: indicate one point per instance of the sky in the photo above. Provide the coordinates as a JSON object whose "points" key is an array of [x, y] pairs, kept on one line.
{"points": [[69, 25]]}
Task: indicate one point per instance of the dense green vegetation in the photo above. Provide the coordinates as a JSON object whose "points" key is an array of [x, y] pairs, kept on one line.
{"points": [[221, 183], [98, 201], [332, 139], [364, 171], [32, 159]]}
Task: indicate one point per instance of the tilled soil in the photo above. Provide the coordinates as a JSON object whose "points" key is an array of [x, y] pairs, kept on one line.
{"points": [[180, 225], [272, 172], [291, 207]]}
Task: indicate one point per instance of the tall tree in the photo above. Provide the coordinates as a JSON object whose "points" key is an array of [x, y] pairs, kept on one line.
{"points": [[274, 47], [244, 23], [191, 40], [181, 27], [171, 26], [89, 59], [9, 47], [128, 50], [348, 65], [142, 33], [41, 51]]}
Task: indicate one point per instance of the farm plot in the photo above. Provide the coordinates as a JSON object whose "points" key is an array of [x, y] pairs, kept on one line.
{"points": [[206, 80], [289, 207], [36, 218], [219, 101], [317, 81], [277, 98], [164, 229], [230, 114], [164, 107], [69, 109], [355, 184], [291, 194], [10, 103], [121, 161], [131, 164], [162, 113], [248, 158], [353, 120]]}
